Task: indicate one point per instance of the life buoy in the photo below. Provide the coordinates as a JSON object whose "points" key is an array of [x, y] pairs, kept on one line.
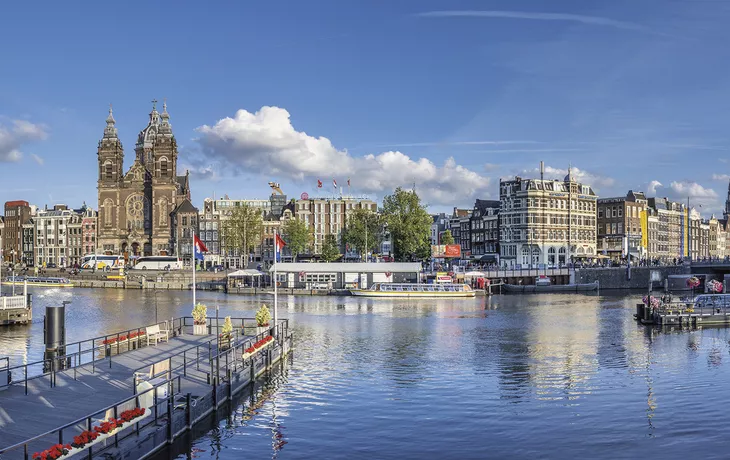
{"points": [[388, 274]]}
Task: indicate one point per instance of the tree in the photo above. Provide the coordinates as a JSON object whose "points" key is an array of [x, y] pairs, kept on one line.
{"points": [[447, 237], [409, 224], [297, 236], [364, 230], [330, 250], [242, 230]]}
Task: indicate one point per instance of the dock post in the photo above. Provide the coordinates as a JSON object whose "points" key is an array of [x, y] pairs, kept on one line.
{"points": [[54, 334], [169, 419], [188, 411]]}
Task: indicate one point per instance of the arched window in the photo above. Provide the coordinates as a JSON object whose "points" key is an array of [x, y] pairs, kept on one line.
{"points": [[551, 255], [108, 170], [561, 255], [163, 167]]}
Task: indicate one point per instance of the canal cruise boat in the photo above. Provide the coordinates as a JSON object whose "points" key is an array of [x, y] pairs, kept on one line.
{"points": [[40, 281], [415, 290]]}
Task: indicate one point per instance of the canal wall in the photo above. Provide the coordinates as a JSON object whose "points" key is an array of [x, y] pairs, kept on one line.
{"points": [[617, 277]]}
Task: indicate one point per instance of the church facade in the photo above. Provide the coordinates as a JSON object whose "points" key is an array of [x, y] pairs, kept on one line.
{"points": [[136, 207]]}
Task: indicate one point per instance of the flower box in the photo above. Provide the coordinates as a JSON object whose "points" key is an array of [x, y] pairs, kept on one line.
{"points": [[258, 346], [200, 329], [100, 433]]}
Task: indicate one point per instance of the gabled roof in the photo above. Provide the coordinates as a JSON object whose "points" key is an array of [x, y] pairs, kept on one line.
{"points": [[185, 207]]}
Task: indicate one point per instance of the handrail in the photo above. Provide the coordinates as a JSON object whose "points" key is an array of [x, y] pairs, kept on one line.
{"points": [[88, 416], [77, 356]]}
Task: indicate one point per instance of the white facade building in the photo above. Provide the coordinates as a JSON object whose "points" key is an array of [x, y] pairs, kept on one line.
{"points": [[549, 222]]}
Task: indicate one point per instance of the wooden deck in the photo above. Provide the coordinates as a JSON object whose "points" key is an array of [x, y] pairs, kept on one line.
{"points": [[45, 408]]}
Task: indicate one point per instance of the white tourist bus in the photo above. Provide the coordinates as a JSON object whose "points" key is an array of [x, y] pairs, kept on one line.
{"points": [[102, 261], [158, 263]]}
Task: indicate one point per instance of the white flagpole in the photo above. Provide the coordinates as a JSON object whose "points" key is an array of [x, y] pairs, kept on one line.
{"points": [[194, 259], [276, 257]]}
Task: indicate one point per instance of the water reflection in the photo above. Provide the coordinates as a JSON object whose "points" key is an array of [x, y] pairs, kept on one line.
{"points": [[543, 376]]}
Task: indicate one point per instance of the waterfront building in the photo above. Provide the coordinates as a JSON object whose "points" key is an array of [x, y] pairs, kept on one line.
{"points": [[619, 226], [459, 227], [653, 241], [88, 231], [51, 229], [184, 227], [438, 227], [77, 247], [546, 221], [28, 243], [135, 207], [484, 231], [213, 220], [17, 213], [671, 235], [717, 238], [339, 275], [328, 216]]}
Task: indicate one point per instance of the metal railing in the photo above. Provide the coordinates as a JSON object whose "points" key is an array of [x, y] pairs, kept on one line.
{"points": [[8, 302], [102, 345], [702, 305], [228, 360], [161, 407], [221, 363]]}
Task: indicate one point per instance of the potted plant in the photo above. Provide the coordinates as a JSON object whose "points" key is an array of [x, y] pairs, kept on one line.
{"points": [[263, 317], [226, 333], [199, 320]]}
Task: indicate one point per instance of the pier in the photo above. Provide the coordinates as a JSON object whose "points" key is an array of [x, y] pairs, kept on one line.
{"points": [[138, 390], [16, 309], [705, 310]]}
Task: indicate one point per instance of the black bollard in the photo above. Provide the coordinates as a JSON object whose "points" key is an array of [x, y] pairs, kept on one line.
{"points": [[54, 337]]}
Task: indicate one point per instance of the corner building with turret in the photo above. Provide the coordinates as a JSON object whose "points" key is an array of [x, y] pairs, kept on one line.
{"points": [[137, 207]]}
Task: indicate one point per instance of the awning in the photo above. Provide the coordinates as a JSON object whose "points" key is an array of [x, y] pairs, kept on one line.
{"points": [[477, 274], [242, 273], [488, 258]]}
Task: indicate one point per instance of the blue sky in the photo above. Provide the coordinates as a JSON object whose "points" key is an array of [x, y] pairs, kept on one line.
{"points": [[449, 95]]}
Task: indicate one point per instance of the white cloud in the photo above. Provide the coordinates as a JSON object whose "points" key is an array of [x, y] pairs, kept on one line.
{"points": [[591, 20], [208, 172], [267, 142], [12, 138], [692, 189], [37, 159], [721, 177], [697, 194], [651, 189], [580, 175]]}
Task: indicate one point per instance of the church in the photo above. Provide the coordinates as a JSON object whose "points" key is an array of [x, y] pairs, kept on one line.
{"points": [[137, 209]]}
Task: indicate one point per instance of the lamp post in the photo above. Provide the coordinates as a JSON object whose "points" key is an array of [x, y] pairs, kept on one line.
{"points": [[156, 320]]}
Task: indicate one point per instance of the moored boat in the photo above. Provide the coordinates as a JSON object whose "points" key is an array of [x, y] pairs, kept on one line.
{"points": [[41, 281], [415, 290], [538, 288]]}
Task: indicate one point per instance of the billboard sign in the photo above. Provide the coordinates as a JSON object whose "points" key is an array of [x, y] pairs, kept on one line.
{"points": [[444, 251]]}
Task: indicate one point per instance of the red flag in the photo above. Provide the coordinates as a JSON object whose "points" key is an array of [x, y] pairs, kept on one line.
{"points": [[334, 182], [319, 183], [199, 245]]}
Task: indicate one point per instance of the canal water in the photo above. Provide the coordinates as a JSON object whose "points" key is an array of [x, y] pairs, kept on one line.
{"points": [[521, 376]]}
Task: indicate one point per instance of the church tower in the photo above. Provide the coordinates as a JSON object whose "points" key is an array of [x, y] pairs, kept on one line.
{"points": [[111, 162]]}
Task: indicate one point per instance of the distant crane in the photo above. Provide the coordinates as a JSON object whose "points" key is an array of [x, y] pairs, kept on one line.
{"points": [[275, 186]]}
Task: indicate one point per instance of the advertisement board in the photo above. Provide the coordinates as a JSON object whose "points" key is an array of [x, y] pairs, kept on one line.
{"points": [[443, 251]]}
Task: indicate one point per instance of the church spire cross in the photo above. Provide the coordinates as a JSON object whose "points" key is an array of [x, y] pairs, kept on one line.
{"points": [[154, 105]]}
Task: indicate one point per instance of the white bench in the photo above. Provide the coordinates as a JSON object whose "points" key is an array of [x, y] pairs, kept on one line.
{"points": [[143, 381], [154, 333]]}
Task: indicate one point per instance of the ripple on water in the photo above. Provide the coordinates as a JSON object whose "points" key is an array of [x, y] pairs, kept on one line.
{"points": [[507, 377]]}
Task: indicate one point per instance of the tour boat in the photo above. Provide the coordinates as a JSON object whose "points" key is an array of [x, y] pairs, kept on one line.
{"points": [[543, 284], [415, 290], [37, 281]]}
